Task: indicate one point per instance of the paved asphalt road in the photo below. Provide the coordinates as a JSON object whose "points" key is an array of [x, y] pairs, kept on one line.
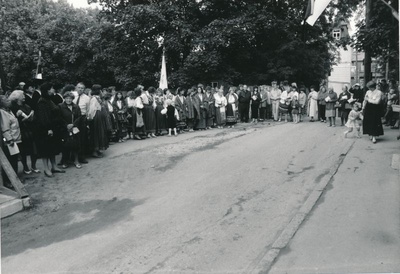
{"points": [[215, 201]]}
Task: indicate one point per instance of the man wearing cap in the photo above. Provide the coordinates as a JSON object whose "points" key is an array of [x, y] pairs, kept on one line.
{"points": [[358, 94], [20, 86]]}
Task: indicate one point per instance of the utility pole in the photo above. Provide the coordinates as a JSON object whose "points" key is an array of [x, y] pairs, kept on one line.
{"points": [[367, 58]]}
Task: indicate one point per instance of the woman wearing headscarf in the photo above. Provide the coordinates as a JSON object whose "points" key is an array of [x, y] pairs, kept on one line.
{"points": [[11, 134], [71, 117], [99, 125], [24, 113], [373, 111], [49, 130], [232, 101], [220, 107]]}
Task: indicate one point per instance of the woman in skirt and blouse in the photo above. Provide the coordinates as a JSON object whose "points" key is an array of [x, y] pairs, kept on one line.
{"points": [[373, 111]]}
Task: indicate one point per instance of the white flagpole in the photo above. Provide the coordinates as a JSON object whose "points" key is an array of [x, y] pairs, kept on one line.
{"points": [[163, 76], [319, 7]]}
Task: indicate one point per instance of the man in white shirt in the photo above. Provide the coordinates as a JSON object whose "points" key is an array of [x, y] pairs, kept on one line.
{"points": [[82, 101]]}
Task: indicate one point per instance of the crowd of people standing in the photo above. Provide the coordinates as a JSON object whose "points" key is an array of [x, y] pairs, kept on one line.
{"points": [[42, 122]]}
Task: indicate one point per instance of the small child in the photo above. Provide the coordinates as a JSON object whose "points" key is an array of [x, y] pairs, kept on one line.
{"points": [[354, 119], [295, 109], [171, 117]]}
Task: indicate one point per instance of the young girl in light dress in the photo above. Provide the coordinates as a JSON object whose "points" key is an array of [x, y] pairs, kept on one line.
{"points": [[354, 120]]}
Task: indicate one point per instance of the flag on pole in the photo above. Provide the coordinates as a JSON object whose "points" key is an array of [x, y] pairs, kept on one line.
{"points": [[309, 10], [39, 68], [316, 8], [163, 76]]}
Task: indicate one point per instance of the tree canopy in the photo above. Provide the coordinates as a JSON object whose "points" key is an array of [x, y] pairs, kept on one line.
{"points": [[236, 41]]}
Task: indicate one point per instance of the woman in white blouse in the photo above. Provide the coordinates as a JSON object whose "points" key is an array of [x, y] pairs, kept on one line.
{"points": [[373, 110]]}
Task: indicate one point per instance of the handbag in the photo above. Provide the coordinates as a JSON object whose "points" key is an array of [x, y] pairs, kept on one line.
{"points": [[139, 119]]}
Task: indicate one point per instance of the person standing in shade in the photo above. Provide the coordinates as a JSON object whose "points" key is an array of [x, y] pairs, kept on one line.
{"points": [[82, 101], [358, 94], [244, 104], [373, 110]]}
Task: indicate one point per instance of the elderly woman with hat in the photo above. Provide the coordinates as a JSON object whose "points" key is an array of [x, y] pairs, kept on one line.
{"points": [[24, 113], [71, 117]]}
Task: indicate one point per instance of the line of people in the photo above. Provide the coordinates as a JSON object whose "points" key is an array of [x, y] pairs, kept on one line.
{"points": [[75, 121]]}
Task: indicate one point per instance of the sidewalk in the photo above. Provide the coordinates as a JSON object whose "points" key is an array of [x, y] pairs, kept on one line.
{"points": [[355, 225]]}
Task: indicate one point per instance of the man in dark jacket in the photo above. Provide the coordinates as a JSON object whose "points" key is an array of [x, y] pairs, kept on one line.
{"points": [[244, 104]]}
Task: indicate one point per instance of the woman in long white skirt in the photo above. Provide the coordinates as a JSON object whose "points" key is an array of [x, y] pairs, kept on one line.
{"points": [[313, 104]]}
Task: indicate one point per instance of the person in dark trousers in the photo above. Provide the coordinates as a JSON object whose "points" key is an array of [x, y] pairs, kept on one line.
{"points": [[244, 104]]}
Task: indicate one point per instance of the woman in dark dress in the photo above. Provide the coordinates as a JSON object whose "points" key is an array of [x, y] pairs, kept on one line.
{"points": [[159, 101], [99, 123], [49, 130], [120, 111], [71, 117], [345, 106], [24, 113], [373, 111]]}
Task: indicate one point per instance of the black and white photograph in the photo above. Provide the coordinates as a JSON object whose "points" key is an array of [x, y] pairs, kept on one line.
{"points": [[199, 136]]}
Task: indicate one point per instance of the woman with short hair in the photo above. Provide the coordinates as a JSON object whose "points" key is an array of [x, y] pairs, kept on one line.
{"points": [[24, 113], [11, 134], [49, 130], [99, 126], [373, 110], [330, 110], [322, 103], [344, 105], [71, 117]]}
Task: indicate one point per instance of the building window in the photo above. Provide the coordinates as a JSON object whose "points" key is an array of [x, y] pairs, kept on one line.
{"points": [[336, 34]]}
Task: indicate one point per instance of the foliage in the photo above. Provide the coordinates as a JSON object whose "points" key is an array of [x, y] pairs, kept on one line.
{"points": [[69, 39], [382, 36], [236, 41]]}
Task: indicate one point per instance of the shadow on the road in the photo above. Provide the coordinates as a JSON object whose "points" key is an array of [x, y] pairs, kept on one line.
{"points": [[69, 222]]}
